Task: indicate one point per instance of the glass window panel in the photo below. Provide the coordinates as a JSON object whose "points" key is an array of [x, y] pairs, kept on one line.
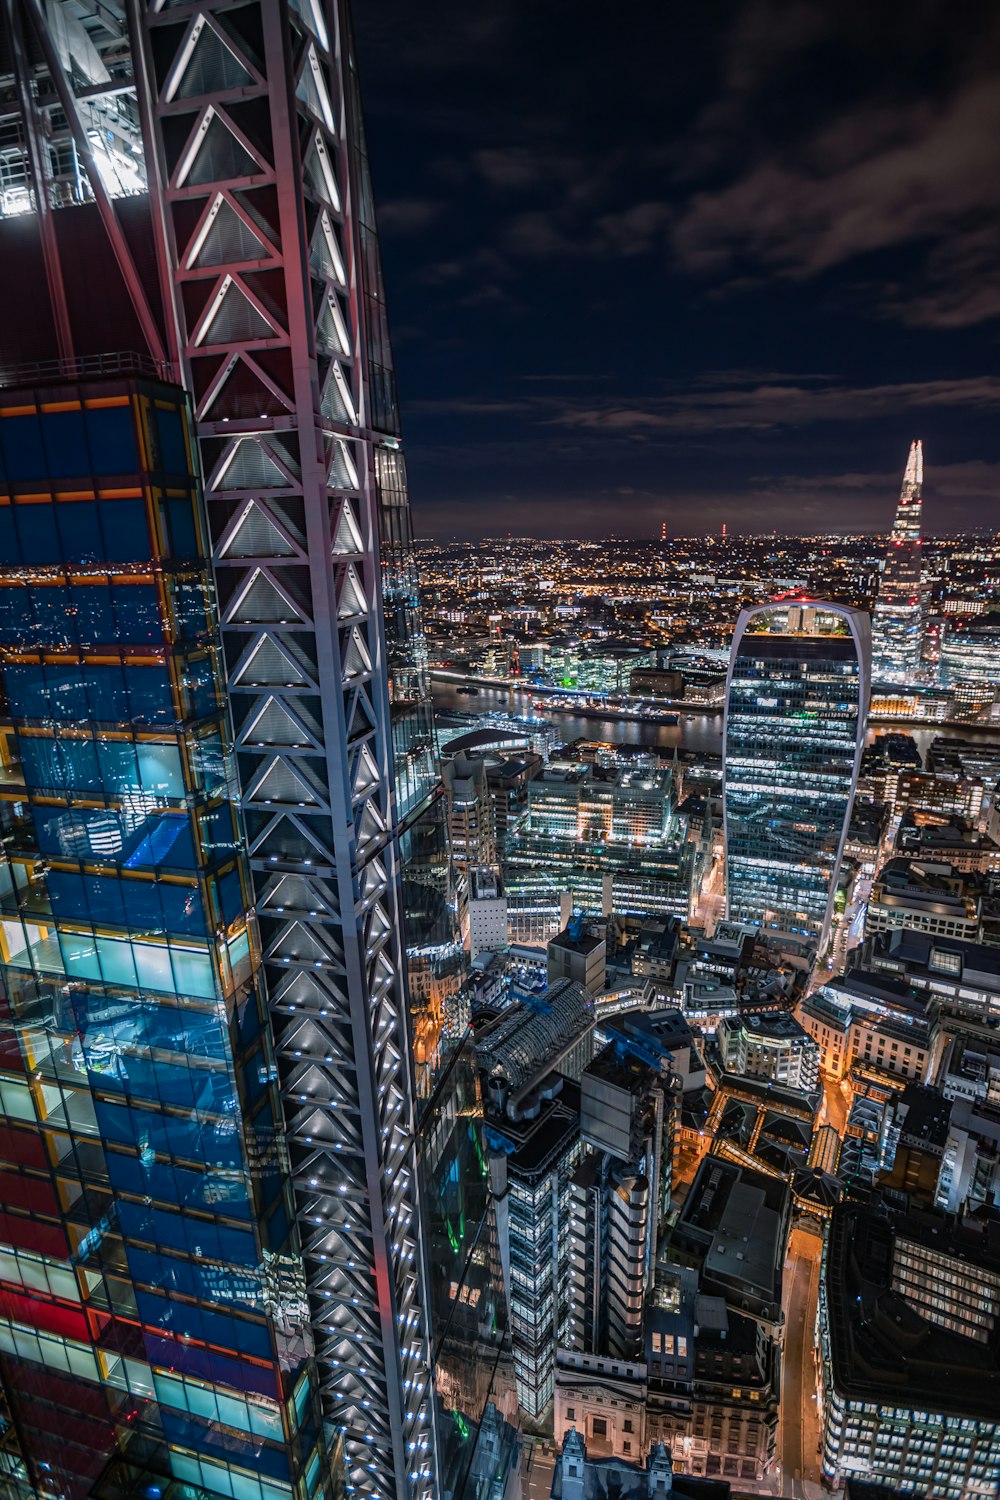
{"points": [[79, 531], [106, 694], [160, 769], [10, 547], [66, 764], [23, 450], [150, 697], [173, 451], [95, 621], [126, 530], [112, 440], [36, 528], [79, 954], [16, 614], [117, 965], [137, 613], [193, 972], [153, 965], [65, 443]]}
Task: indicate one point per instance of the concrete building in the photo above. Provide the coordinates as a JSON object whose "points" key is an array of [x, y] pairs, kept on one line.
{"points": [[580, 955], [579, 1477], [733, 1229], [963, 979], [869, 1019], [470, 811], [487, 911], [928, 896], [769, 1044]]}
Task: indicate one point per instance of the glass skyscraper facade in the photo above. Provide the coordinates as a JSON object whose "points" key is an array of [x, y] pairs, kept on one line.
{"points": [[154, 1323], [796, 704], [240, 1118], [898, 618]]}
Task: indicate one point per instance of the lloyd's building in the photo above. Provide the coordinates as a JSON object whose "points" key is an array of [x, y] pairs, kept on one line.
{"points": [[229, 1154]]}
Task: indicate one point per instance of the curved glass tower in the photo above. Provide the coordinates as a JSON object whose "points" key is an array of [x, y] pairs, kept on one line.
{"points": [[796, 704]]}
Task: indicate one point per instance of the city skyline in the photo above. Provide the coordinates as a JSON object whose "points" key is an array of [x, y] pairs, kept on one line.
{"points": [[515, 1018]]}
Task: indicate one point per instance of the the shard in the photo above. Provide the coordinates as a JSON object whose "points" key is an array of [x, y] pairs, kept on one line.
{"points": [[897, 622]]}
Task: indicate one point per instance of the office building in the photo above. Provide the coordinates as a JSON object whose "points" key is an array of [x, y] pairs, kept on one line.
{"points": [[608, 836], [797, 699], [471, 822], [925, 895], [897, 621], [869, 1020], [712, 1379], [531, 1057], [970, 653], [487, 911], [217, 919], [769, 1044], [903, 1297], [962, 979], [579, 954]]}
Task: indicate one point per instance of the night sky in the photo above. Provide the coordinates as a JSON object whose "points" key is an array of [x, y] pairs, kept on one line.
{"points": [[689, 261]]}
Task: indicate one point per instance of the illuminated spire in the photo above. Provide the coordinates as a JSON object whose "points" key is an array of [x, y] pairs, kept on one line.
{"points": [[898, 618]]}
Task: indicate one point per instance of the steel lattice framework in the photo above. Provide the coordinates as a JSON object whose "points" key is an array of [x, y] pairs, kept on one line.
{"points": [[263, 219]]}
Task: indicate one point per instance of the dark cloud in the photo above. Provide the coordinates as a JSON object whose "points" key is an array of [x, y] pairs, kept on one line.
{"points": [[754, 237]]}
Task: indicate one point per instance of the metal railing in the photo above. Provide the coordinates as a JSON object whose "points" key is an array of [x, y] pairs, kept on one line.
{"points": [[83, 367]]}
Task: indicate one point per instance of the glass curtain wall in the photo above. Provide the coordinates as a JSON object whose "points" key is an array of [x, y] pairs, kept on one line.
{"points": [[152, 1305]]}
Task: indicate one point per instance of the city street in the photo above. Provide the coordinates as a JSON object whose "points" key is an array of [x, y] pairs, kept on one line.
{"points": [[538, 1467], [798, 1431]]}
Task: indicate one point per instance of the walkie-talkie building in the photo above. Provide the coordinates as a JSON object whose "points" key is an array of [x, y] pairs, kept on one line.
{"points": [[796, 704], [223, 1179]]}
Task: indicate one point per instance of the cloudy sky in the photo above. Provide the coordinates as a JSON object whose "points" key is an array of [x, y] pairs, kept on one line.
{"points": [[689, 262]]}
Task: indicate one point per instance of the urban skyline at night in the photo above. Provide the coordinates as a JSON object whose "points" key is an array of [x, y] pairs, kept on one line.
{"points": [[501, 1001]]}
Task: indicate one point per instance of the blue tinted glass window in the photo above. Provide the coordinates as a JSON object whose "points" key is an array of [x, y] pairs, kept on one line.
{"points": [[137, 613], [183, 909], [23, 451], [164, 840], [126, 532], [95, 622], [160, 769], [10, 547], [112, 440], [173, 452], [60, 764], [150, 697], [79, 532], [53, 621], [26, 691], [15, 614], [108, 701], [179, 516], [36, 527], [65, 443]]}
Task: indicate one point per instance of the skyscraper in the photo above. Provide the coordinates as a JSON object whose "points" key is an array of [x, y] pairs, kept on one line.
{"points": [[218, 759], [897, 622], [796, 702]]}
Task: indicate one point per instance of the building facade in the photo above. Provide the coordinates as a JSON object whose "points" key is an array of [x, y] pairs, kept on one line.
{"points": [[796, 704]]}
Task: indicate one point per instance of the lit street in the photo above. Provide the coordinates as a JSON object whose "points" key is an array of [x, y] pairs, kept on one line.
{"points": [[798, 1431]]}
